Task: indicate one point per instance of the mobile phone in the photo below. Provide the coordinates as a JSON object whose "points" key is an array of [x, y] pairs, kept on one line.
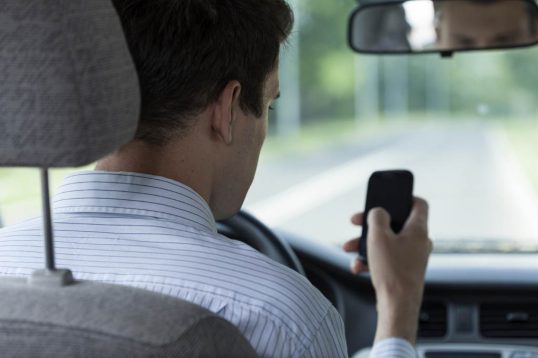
{"points": [[391, 190]]}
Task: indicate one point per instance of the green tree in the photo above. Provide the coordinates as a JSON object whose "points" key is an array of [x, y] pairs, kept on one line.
{"points": [[327, 63]]}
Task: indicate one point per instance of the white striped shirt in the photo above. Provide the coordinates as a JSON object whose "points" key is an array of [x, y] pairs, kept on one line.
{"points": [[157, 234]]}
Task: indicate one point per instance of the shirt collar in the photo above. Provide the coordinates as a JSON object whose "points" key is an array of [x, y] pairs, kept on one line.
{"points": [[133, 194]]}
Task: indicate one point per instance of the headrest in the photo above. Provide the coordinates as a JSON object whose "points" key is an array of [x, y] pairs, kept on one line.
{"points": [[69, 92]]}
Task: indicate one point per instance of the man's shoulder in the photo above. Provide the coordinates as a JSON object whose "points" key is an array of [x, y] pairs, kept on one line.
{"points": [[289, 279], [285, 297], [283, 291], [190, 261]]}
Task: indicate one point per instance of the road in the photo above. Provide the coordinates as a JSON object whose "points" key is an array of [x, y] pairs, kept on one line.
{"points": [[468, 172]]}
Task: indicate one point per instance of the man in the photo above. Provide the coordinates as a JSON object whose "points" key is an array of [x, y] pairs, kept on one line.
{"points": [[208, 74], [485, 23]]}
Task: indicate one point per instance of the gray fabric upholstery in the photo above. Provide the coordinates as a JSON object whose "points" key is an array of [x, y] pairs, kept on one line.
{"points": [[68, 87], [100, 320]]}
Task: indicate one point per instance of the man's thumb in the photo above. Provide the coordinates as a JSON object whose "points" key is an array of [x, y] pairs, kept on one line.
{"points": [[378, 217]]}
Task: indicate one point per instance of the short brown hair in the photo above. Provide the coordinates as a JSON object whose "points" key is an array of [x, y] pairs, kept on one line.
{"points": [[186, 51]]}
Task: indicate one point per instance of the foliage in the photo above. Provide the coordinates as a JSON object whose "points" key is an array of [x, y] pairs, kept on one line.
{"points": [[327, 64], [492, 83]]}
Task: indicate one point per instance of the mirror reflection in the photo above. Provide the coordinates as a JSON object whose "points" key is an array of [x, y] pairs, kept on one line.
{"points": [[444, 26]]}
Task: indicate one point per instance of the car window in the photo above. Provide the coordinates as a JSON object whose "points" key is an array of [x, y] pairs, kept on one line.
{"points": [[467, 127]]}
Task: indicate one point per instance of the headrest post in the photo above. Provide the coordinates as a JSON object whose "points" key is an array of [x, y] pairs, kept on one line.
{"points": [[47, 221]]}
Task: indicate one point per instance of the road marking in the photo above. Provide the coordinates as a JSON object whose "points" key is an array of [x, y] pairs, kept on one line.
{"points": [[303, 197]]}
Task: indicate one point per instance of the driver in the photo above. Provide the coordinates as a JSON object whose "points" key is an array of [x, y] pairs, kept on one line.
{"points": [[208, 74], [484, 23]]}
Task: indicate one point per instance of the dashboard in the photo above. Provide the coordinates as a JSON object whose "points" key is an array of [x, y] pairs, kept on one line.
{"points": [[475, 306]]}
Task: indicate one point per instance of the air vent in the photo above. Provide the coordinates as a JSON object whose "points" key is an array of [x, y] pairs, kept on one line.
{"points": [[432, 320], [514, 320]]}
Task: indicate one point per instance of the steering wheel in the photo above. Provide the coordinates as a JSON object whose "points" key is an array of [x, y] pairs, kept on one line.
{"points": [[246, 228]]}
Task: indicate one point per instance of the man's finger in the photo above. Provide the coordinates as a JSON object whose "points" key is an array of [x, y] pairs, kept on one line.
{"points": [[351, 246], [419, 213], [357, 266], [357, 219]]}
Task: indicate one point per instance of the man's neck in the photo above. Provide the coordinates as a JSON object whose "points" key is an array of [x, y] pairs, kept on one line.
{"points": [[169, 161]]}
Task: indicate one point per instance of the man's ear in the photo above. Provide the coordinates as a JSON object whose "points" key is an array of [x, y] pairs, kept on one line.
{"points": [[225, 112]]}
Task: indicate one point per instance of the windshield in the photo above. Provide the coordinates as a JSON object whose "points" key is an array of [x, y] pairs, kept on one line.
{"points": [[467, 127]]}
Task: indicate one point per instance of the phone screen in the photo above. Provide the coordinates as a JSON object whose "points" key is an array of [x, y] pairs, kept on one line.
{"points": [[393, 191]]}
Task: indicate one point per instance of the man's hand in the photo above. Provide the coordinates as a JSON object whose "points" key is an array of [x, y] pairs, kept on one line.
{"points": [[397, 264]]}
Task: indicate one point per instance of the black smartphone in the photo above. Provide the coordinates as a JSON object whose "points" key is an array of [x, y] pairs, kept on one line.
{"points": [[391, 190]]}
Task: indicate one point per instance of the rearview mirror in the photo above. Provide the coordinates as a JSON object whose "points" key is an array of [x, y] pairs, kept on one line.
{"points": [[444, 26]]}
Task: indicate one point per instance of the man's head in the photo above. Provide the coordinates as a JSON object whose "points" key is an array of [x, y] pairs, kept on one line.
{"points": [[208, 72], [186, 51], [484, 23]]}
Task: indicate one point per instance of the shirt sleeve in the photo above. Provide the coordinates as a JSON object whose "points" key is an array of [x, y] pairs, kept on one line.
{"points": [[393, 348], [330, 339]]}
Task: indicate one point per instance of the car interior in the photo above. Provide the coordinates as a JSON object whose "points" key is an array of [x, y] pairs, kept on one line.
{"points": [[481, 291]]}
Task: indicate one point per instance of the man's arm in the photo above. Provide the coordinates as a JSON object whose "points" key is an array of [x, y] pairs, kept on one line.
{"points": [[397, 264]]}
